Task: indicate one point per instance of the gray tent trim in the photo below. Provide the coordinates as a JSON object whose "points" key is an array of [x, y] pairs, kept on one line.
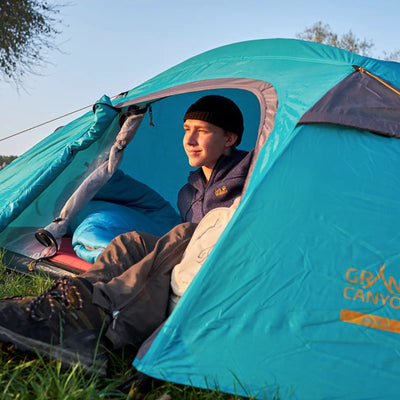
{"points": [[361, 100]]}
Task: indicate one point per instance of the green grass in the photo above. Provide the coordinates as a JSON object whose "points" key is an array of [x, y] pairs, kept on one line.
{"points": [[32, 377]]}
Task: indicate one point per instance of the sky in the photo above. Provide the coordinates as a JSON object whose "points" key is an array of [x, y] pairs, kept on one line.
{"points": [[108, 47]]}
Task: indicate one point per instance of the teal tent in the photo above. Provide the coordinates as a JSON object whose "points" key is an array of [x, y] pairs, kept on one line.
{"points": [[301, 293]]}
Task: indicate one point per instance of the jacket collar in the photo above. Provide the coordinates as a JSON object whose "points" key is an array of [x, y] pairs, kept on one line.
{"points": [[223, 165]]}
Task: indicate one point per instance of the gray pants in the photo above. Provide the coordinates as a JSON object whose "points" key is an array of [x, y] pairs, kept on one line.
{"points": [[132, 281]]}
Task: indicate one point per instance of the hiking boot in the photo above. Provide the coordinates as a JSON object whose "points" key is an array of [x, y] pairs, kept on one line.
{"points": [[61, 323]]}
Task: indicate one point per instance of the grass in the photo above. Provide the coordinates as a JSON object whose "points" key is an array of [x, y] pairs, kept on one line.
{"points": [[24, 376]]}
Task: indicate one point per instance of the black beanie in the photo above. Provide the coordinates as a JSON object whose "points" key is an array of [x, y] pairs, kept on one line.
{"points": [[219, 111]]}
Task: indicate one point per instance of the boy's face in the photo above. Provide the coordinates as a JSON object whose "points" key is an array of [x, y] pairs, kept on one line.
{"points": [[204, 143]]}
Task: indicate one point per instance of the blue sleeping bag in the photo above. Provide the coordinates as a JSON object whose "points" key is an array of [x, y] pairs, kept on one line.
{"points": [[102, 221], [121, 206]]}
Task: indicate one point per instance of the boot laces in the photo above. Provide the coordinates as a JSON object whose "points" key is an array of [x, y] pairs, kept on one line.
{"points": [[64, 291]]}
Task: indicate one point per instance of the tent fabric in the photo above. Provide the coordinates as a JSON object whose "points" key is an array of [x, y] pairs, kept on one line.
{"points": [[300, 294], [44, 162], [360, 101]]}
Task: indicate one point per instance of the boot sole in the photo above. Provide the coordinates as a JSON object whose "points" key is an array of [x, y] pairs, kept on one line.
{"points": [[67, 357]]}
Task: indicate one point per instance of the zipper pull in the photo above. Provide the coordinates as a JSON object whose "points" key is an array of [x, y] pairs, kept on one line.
{"points": [[114, 316]]}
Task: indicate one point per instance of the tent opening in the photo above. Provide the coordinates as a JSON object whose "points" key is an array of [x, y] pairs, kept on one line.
{"points": [[152, 170]]}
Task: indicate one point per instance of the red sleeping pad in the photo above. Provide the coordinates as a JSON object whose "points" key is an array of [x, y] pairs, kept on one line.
{"points": [[66, 257]]}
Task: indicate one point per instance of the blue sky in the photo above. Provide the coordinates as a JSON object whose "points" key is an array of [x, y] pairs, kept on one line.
{"points": [[107, 47]]}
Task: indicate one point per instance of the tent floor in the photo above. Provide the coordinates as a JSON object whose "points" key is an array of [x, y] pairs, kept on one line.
{"points": [[65, 262]]}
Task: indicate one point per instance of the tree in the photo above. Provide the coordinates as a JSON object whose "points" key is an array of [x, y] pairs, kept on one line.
{"points": [[322, 33], [392, 56], [5, 160], [26, 30]]}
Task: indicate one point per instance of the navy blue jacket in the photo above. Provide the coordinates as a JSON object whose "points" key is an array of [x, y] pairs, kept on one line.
{"points": [[226, 183]]}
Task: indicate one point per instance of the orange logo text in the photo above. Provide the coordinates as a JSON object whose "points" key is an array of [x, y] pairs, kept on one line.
{"points": [[361, 284]]}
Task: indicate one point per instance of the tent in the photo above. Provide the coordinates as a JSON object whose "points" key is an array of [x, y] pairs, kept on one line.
{"points": [[301, 294]]}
